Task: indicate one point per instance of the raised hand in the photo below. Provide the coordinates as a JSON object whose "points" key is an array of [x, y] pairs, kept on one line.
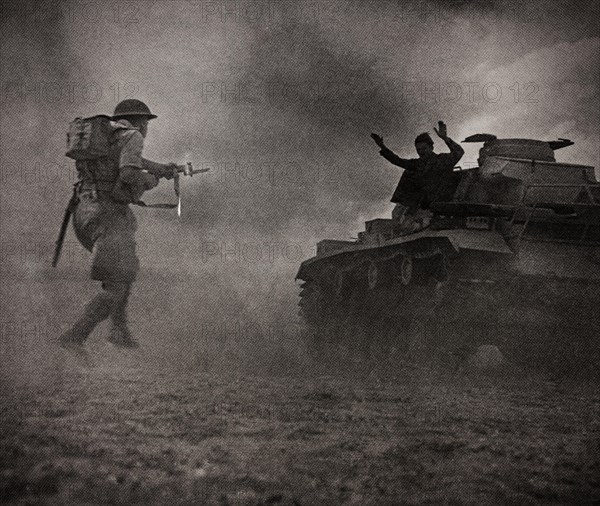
{"points": [[378, 140], [442, 132]]}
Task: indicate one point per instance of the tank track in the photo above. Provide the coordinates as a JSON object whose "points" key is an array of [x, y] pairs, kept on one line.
{"points": [[428, 308]]}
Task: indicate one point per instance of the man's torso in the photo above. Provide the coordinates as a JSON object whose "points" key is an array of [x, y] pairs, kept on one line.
{"points": [[432, 180], [101, 175]]}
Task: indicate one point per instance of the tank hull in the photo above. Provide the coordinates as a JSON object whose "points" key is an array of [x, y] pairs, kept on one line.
{"points": [[512, 261], [538, 305]]}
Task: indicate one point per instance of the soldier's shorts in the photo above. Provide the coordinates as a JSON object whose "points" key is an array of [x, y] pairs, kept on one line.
{"points": [[107, 229]]}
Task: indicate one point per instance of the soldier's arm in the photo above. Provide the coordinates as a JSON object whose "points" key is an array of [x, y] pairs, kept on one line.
{"points": [[159, 170], [392, 157], [131, 166], [456, 150], [137, 178]]}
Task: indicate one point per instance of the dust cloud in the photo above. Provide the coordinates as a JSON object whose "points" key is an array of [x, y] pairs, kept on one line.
{"points": [[278, 100], [223, 404]]}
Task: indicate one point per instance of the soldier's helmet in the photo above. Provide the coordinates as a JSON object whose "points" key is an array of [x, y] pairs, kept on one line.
{"points": [[132, 107]]}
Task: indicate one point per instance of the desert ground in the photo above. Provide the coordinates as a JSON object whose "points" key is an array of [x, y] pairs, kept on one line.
{"points": [[234, 423]]}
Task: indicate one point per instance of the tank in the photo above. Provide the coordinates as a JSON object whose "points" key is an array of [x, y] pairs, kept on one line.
{"points": [[512, 261]]}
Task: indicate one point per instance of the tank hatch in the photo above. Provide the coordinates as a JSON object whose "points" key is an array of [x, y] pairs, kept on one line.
{"points": [[560, 143], [481, 138], [530, 149]]}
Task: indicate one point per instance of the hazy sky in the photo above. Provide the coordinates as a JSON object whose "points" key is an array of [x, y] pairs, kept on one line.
{"points": [[278, 98]]}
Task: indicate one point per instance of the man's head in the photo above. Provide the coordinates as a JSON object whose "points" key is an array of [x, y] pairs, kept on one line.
{"points": [[424, 145], [136, 112], [139, 122]]}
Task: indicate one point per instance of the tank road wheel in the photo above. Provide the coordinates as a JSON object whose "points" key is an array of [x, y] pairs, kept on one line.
{"points": [[441, 274], [379, 274], [338, 284], [406, 270], [373, 275], [342, 285]]}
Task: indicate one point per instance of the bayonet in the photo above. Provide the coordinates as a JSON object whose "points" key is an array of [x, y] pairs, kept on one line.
{"points": [[186, 170]]}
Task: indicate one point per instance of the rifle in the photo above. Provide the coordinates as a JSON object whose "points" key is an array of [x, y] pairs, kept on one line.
{"points": [[186, 170], [73, 201]]}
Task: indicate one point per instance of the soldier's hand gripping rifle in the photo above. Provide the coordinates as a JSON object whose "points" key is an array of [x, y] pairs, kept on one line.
{"points": [[73, 201], [186, 170]]}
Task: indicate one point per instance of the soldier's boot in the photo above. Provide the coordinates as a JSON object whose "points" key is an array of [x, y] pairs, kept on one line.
{"points": [[94, 312], [120, 335]]}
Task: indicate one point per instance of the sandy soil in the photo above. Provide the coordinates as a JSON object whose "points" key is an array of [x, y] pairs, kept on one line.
{"points": [[135, 430], [211, 415]]}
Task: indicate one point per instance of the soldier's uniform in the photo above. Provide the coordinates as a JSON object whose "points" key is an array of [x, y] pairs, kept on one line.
{"points": [[425, 180], [103, 222], [105, 225]]}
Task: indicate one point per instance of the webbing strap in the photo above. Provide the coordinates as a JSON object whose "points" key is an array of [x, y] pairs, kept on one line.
{"points": [[141, 203]]}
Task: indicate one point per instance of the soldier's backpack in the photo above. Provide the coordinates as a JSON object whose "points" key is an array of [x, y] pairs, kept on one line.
{"points": [[88, 142], [89, 138]]}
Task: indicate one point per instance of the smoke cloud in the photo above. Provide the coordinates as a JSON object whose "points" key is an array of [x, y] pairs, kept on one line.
{"points": [[278, 99]]}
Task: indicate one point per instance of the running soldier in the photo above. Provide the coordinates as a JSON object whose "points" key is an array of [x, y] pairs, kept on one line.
{"points": [[105, 225]]}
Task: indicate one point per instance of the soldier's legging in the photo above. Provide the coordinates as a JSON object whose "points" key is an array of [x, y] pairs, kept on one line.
{"points": [[118, 314], [107, 229], [111, 301]]}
